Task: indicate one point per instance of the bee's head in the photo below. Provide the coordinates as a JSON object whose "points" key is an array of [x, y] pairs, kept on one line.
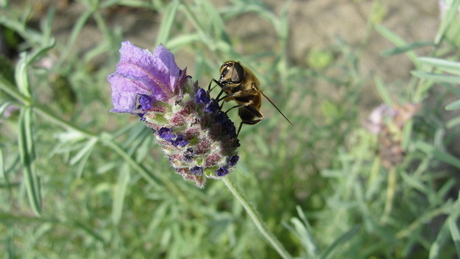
{"points": [[231, 72]]}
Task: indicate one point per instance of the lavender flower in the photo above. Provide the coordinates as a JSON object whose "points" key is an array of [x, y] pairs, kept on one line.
{"points": [[199, 139]]}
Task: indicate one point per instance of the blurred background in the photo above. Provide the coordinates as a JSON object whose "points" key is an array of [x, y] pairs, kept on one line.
{"points": [[370, 168]]}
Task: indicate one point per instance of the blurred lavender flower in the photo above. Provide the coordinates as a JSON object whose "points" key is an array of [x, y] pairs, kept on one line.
{"points": [[199, 139], [387, 123], [376, 120]]}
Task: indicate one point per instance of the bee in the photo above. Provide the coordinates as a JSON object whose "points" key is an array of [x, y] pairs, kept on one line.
{"points": [[241, 85]]}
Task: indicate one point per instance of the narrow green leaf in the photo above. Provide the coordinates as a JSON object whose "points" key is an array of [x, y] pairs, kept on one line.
{"points": [[423, 146], [453, 106], [442, 64], [447, 21], [283, 28], [78, 26], [89, 230], [82, 156], [167, 22], [445, 189], [20, 75], [25, 59], [414, 182], [182, 40], [446, 231], [81, 165], [407, 130], [384, 94], [131, 3], [120, 193], [83, 151], [213, 15], [455, 234], [453, 122], [406, 48], [47, 27], [2, 166], [437, 77], [446, 157], [341, 240], [99, 49], [26, 151], [395, 39], [305, 237]]}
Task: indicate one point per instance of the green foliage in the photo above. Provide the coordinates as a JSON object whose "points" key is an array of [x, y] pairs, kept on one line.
{"points": [[79, 182]]}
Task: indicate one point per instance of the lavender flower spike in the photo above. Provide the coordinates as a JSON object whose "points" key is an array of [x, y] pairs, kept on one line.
{"points": [[198, 138]]}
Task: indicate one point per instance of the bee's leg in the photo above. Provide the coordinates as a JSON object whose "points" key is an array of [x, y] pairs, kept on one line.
{"points": [[218, 99], [210, 83], [239, 129], [217, 84], [239, 106], [225, 98], [233, 95]]}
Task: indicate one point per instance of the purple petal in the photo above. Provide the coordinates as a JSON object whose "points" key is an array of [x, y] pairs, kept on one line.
{"points": [[202, 96], [233, 160], [166, 134], [180, 141], [196, 170], [145, 102], [222, 171], [167, 65], [211, 106], [141, 72]]}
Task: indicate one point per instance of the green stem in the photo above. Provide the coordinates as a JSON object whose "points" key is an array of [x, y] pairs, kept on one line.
{"points": [[238, 193], [10, 89]]}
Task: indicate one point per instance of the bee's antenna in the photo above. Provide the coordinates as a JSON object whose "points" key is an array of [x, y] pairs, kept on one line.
{"points": [[266, 97]]}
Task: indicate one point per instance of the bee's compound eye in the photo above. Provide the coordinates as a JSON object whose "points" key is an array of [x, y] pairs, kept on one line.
{"points": [[237, 73]]}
